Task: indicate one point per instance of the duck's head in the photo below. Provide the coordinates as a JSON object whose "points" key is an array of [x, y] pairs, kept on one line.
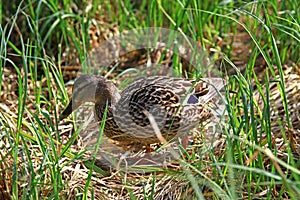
{"points": [[91, 88]]}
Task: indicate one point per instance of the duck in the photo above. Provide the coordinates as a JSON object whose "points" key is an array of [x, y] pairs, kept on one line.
{"points": [[277, 111], [176, 105]]}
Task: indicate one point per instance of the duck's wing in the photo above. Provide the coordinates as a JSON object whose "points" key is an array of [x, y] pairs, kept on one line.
{"points": [[156, 99], [166, 99], [187, 90]]}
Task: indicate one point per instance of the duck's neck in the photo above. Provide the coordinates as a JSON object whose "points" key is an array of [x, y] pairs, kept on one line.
{"points": [[106, 93]]}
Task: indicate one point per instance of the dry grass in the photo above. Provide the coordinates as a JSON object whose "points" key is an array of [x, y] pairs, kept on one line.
{"points": [[164, 182], [169, 180]]}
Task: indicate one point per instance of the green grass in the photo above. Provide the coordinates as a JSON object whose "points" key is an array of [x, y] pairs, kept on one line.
{"points": [[38, 37]]}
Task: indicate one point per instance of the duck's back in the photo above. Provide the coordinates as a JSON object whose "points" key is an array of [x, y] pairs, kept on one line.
{"points": [[176, 104]]}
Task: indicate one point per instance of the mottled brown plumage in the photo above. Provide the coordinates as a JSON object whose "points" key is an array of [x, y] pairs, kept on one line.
{"points": [[178, 105], [277, 112]]}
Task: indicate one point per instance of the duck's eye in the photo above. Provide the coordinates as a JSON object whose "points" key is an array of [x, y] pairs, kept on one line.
{"points": [[193, 99]]}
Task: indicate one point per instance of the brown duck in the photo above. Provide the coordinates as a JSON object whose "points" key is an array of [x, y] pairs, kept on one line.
{"points": [[177, 105]]}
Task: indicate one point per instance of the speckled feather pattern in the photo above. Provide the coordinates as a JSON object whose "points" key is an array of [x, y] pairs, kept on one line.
{"points": [[178, 105], [277, 112]]}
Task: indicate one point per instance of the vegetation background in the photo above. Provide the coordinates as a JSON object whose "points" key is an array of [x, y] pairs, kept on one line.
{"points": [[255, 44]]}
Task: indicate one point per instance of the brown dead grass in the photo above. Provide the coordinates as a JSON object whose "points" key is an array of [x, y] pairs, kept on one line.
{"points": [[117, 184]]}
